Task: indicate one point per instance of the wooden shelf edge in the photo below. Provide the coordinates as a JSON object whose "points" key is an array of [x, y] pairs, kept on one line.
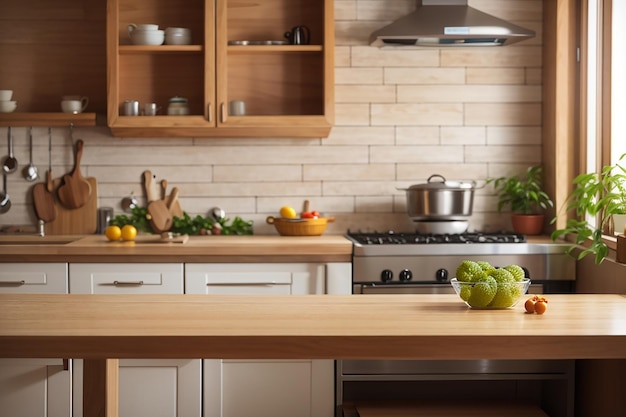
{"points": [[309, 132], [247, 49], [47, 119], [135, 49]]}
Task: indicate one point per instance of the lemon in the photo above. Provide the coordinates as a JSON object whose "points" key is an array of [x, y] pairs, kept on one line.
{"points": [[129, 232], [288, 212], [113, 233]]}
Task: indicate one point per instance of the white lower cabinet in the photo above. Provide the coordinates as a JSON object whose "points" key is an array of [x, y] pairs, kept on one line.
{"points": [[148, 387], [265, 388], [35, 387]]}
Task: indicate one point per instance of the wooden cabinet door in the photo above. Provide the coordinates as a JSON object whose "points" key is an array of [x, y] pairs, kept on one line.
{"points": [[287, 89], [34, 387], [150, 387], [238, 388], [156, 73]]}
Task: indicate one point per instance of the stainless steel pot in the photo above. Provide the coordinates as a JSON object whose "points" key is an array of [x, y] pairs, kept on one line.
{"points": [[438, 199]]}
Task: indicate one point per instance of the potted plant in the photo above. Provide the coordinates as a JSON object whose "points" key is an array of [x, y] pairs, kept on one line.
{"points": [[597, 195], [525, 196]]}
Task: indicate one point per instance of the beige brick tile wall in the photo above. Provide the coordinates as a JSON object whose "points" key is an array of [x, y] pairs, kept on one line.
{"points": [[401, 116]]}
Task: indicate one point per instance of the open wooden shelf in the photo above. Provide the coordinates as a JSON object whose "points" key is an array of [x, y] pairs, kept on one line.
{"points": [[47, 119]]}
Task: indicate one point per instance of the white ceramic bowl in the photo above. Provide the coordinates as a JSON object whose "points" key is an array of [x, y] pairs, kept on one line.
{"points": [[147, 37], [177, 36], [5, 95], [8, 106]]}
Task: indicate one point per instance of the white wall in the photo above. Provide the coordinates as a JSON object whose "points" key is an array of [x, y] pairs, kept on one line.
{"points": [[465, 113]]}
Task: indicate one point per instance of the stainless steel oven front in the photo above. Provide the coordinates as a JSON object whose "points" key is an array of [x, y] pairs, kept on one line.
{"points": [[427, 269]]}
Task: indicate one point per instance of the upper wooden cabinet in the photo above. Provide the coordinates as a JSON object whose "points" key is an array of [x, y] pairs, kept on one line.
{"points": [[287, 89]]}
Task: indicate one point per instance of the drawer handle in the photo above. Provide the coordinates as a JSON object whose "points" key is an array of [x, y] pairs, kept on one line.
{"points": [[127, 283], [244, 284], [209, 112], [12, 283]]}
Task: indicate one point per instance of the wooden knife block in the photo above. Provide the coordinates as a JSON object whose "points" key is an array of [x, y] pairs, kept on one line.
{"points": [[80, 221]]}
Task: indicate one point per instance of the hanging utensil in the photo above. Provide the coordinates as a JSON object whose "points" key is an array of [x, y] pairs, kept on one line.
{"points": [[30, 171], [5, 201], [43, 198], [76, 190], [10, 162]]}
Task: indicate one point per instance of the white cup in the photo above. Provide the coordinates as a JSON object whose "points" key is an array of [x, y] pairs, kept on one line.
{"points": [[237, 108], [5, 95], [74, 104]]}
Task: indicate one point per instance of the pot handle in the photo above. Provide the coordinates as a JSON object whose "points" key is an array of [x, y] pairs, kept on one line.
{"points": [[436, 176]]}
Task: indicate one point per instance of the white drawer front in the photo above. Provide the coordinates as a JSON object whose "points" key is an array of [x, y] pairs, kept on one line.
{"points": [[126, 278], [33, 278]]}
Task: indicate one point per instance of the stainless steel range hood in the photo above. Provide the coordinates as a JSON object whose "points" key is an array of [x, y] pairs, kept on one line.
{"points": [[448, 23]]}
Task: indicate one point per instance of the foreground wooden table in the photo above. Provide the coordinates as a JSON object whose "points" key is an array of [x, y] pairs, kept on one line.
{"points": [[105, 328]]}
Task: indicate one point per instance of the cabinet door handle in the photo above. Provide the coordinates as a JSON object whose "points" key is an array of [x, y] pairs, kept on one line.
{"points": [[12, 283], [66, 364], [210, 112], [127, 283], [223, 112]]}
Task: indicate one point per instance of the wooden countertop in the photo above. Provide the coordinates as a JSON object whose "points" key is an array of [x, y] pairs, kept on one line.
{"points": [[317, 326], [150, 248]]}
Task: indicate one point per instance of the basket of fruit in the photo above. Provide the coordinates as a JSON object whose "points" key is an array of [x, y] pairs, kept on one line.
{"points": [[307, 223], [483, 286]]}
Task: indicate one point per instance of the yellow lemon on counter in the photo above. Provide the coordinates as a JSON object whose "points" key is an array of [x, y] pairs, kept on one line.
{"points": [[288, 212], [113, 233], [129, 232]]}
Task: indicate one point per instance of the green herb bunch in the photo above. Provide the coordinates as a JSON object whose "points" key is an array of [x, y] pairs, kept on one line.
{"points": [[185, 225]]}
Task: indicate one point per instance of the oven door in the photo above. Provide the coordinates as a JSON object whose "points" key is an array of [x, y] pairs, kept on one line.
{"points": [[438, 288]]}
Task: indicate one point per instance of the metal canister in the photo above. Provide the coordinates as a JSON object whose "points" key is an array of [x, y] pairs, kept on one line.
{"points": [[105, 215], [131, 108]]}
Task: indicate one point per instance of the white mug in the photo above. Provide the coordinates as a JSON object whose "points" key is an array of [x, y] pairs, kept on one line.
{"points": [[74, 104]]}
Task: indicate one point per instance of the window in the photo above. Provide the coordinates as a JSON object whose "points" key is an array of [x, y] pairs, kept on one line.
{"points": [[604, 83]]}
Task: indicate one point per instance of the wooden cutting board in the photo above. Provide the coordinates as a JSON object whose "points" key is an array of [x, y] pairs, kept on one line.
{"points": [[79, 221]]}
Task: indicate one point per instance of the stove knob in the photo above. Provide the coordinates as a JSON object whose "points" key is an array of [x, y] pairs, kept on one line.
{"points": [[406, 275], [386, 275], [441, 275]]}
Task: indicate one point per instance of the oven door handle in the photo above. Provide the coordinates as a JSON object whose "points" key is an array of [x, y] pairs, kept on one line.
{"points": [[373, 288]]}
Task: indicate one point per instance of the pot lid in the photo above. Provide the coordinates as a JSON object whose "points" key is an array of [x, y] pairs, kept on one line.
{"points": [[438, 182]]}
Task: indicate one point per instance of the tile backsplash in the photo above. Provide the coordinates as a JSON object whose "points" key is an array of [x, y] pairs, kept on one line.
{"points": [[401, 116]]}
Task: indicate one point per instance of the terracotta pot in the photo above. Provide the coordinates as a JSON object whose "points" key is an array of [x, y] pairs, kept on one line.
{"points": [[528, 224]]}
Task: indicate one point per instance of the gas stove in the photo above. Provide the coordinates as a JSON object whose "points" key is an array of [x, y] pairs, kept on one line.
{"points": [[401, 259], [392, 238]]}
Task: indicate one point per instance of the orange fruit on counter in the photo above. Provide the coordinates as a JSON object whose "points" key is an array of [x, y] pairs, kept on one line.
{"points": [[129, 232], [113, 233]]}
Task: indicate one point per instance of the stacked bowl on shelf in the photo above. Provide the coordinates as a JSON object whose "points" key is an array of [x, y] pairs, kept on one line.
{"points": [[177, 36], [6, 104], [149, 34], [146, 34]]}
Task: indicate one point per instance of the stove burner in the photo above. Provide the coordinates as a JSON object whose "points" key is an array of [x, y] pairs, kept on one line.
{"points": [[391, 238]]}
